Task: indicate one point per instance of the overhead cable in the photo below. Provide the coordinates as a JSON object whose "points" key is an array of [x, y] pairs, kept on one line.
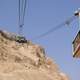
{"points": [[22, 10], [67, 22]]}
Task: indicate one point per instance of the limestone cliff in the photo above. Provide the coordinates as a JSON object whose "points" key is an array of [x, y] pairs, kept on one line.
{"points": [[25, 61]]}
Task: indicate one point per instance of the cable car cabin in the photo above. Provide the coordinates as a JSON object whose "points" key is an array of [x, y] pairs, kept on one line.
{"points": [[76, 46]]}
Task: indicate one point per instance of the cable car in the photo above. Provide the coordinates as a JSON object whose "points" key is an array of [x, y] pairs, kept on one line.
{"points": [[76, 46], [76, 42]]}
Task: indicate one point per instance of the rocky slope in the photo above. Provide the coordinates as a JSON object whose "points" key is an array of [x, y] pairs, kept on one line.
{"points": [[25, 61]]}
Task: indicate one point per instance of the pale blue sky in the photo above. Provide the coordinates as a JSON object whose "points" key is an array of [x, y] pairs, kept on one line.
{"points": [[42, 15]]}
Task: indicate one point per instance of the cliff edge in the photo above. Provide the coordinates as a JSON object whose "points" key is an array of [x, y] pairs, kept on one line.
{"points": [[25, 60]]}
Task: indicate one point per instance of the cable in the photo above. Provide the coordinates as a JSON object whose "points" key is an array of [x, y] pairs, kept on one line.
{"points": [[22, 9], [67, 22], [19, 12]]}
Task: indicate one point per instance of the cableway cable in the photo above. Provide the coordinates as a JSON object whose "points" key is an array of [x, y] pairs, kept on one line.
{"points": [[22, 10], [67, 22]]}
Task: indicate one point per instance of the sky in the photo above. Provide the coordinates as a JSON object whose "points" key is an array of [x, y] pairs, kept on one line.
{"points": [[42, 15]]}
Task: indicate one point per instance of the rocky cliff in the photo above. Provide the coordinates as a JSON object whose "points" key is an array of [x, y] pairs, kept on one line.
{"points": [[25, 61]]}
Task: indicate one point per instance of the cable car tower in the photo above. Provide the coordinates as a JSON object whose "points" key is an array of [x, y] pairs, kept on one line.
{"points": [[22, 9], [76, 42]]}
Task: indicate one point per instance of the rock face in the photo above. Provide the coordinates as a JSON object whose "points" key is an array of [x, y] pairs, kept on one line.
{"points": [[25, 61]]}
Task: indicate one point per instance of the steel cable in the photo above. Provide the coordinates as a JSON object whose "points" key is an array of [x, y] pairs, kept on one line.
{"points": [[67, 22]]}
